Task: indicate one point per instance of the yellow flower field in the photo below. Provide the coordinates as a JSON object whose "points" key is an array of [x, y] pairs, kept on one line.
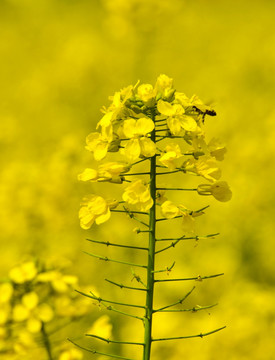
{"points": [[60, 62]]}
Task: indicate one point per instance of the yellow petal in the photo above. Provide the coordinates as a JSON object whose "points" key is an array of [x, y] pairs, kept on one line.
{"points": [[132, 149], [144, 126], [174, 125], [147, 147], [129, 128], [92, 140], [86, 218], [102, 218], [188, 123], [165, 108], [101, 150], [88, 174], [169, 210], [220, 190]]}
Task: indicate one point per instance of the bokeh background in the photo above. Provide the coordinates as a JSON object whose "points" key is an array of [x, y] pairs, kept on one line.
{"points": [[59, 62]]}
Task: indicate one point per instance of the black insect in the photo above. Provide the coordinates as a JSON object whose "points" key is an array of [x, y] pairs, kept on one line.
{"points": [[205, 112]]}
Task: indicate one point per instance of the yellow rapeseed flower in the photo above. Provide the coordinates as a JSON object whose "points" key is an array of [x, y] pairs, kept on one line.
{"points": [[172, 152], [176, 120], [139, 143], [205, 166], [220, 190], [147, 94], [169, 210], [164, 86], [32, 312], [110, 171], [95, 209], [217, 149], [138, 194], [98, 144], [22, 273], [6, 291]]}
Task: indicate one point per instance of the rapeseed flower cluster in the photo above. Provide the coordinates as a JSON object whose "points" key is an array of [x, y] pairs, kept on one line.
{"points": [[139, 119], [35, 300]]}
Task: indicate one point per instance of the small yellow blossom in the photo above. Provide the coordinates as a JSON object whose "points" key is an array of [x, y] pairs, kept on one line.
{"points": [[217, 149], [32, 312], [22, 273], [138, 194], [98, 144], [5, 313], [6, 291], [172, 152], [110, 172], [95, 209], [59, 282], [220, 190], [139, 143], [205, 166], [164, 86], [146, 93], [30, 300], [176, 120], [169, 210]]}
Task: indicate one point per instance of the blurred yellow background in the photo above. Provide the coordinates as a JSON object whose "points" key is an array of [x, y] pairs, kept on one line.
{"points": [[60, 60]]}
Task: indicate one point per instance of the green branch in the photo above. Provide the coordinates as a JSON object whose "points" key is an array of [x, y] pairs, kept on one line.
{"points": [[99, 299], [211, 236], [177, 302], [98, 352], [124, 286], [113, 341], [105, 258], [194, 309], [173, 244], [107, 243], [197, 278], [201, 335]]}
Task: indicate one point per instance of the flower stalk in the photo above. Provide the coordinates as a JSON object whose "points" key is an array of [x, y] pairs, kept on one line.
{"points": [[151, 260]]}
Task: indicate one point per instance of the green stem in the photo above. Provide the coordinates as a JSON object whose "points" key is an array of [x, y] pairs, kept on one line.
{"points": [[46, 341], [151, 259]]}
